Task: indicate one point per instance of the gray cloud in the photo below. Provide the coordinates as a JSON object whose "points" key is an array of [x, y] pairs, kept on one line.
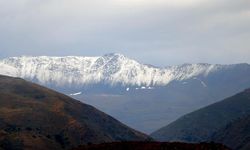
{"points": [[160, 32]]}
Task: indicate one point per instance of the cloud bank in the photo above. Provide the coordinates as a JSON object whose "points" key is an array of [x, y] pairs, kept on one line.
{"points": [[160, 32]]}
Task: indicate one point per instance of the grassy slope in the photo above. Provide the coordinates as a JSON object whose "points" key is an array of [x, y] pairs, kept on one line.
{"points": [[35, 117]]}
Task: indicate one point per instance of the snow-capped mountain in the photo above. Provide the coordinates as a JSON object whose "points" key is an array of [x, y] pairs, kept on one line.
{"points": [[110, 69]]}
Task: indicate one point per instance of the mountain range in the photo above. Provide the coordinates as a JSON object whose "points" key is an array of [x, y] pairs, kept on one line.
{"points": [[142, 96], [112, 69]]}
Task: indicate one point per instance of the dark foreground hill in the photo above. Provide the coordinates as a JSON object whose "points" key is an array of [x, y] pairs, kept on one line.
{"points": [[236, 134], [153, 146], [200, 125], [34, 117]]}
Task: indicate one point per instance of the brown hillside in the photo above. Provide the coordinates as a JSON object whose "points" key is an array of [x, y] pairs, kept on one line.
{"points": [[34, 117]]}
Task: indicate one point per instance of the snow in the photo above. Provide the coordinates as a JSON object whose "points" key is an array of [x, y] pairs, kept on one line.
{"points": [[144, 88], [202, 82], [110, 69], [74, 94], [8, 70]]}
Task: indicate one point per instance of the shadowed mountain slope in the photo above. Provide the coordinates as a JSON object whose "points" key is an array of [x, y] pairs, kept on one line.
{"points": [[200, 125], [236, 134], [34, 117]]}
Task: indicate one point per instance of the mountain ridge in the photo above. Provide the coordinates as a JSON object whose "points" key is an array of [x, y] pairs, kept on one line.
{"points": [[110, 69]]}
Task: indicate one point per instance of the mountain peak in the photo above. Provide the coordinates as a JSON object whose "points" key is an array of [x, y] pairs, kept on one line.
{"points": [[114, 55]]}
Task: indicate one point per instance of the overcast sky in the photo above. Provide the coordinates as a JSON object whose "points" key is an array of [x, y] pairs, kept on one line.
{"points": [[158, 32]]}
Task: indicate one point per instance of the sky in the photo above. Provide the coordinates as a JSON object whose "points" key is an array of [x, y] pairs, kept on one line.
{"points": [[157, 32]]}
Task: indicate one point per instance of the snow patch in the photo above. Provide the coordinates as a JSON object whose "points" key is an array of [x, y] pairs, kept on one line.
{"points": [[74, 94], [145, 88], [202, 82], [151, 88]]}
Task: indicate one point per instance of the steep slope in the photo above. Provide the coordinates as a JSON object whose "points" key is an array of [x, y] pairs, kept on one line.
{"points": [[34, 117], [200, 125], [235, 135]]}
